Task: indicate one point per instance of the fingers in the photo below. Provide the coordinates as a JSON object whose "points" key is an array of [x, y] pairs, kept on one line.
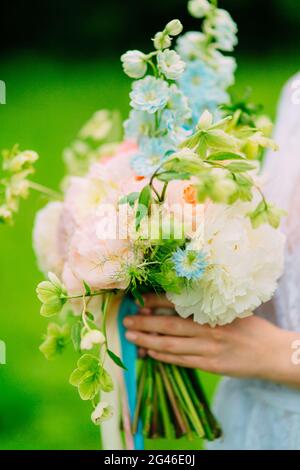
{"points": [[194, 362], [156, 301], [178, 360], [173, 325], [170, 344]]}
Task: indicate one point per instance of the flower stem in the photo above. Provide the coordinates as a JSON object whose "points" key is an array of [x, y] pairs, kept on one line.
{"points": [[185, 394], [167, 426], [140, 391], [149, 398], [173, 402], [198, 405], [44, 190]]}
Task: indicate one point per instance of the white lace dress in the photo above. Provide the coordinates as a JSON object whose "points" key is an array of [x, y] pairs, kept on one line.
{"points": [[258, 414]]}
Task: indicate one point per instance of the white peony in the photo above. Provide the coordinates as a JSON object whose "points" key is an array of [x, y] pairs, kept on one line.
{"points": [[46, 238], [244, 265]]}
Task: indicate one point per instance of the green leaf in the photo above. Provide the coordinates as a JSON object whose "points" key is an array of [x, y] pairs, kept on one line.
{"points": [[129, 199], [144, 202], [221, 156], [173, 175], [240, 167], [76, 335], [116, 359], [88, 290]]}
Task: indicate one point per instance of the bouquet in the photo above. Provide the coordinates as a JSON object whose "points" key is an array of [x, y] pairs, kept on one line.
{"points": [[176, 208]]}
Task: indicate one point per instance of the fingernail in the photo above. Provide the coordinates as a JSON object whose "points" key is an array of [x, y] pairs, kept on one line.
{"points": [[131, 336], [128, 322]]}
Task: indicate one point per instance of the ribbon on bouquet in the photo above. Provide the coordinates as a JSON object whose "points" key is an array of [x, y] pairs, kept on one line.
{"points": [[129, 357]]}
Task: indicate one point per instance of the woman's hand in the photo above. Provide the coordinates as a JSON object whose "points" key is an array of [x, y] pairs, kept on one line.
{"points": [[251, 347]]}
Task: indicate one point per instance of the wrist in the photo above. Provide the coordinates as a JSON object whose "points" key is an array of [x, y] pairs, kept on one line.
{"points": [[282, 358]]}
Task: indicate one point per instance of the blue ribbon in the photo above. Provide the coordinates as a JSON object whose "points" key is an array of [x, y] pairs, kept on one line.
{"points": [[129, 357]]}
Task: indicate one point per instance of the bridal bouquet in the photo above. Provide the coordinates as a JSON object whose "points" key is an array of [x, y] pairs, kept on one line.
{"points": [[176, 208]]}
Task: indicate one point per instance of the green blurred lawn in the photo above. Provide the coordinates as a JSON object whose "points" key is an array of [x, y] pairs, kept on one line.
{"points": [[47, 102]]}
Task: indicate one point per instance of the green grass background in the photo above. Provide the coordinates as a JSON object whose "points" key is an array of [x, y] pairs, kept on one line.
{"points": [[47, 102]]}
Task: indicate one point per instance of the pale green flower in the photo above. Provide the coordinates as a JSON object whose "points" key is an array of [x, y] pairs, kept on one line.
{"points": [[52, 294], [5, 214], [162, 40], [174, 28], [91, 338], [134, 63], [102, 412], [55, 341], [199, 8], [97, 128], [170, 64], [90, 377], [21, 161]]}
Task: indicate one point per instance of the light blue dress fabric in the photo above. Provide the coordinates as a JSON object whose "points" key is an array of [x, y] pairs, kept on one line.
{"points": [[258, 415]]}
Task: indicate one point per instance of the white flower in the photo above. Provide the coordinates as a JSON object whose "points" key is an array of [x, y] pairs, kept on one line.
{"points": [[199, 8], [134, 64], [5, 214], [92, 338], [170, 64], [149, 94], [102, 412], [46, 238], [222, 27], [174, 28], [162, 40], [242, 270]]}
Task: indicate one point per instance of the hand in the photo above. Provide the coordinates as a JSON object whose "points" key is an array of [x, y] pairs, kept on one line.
{"points": [[251, 347]]}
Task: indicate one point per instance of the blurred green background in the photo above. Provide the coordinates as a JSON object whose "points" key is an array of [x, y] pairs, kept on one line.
{"points": [[60, 67]]}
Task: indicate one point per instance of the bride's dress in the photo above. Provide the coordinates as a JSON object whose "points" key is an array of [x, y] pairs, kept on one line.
{"points": [[258, 414]]}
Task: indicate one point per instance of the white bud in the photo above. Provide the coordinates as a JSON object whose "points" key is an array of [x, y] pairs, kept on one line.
{"points": [[162, 41], [205, 120], [198, 8], [102, 412], [174, 28], [134, 64], [92, 338]]}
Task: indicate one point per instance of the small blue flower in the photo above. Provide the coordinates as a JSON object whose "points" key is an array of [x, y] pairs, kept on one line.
{"points": [[200, 83], [190, 264], [149, 94], [139, 124], [154, 151]]}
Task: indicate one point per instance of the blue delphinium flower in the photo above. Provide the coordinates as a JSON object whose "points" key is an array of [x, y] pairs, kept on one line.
{"points": [[200, 83], [190, 264], [149, 94], [139, 124], [153, 152]]}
